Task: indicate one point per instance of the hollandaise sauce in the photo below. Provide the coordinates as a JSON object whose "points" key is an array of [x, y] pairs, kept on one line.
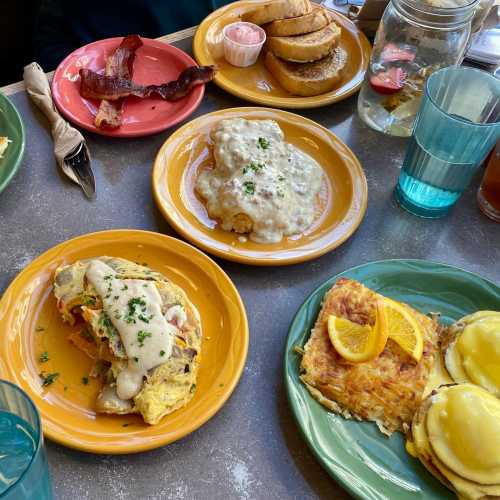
{"points": [[438, 376], [479, 348], [463, 425], [134, 308], [474, 355]]}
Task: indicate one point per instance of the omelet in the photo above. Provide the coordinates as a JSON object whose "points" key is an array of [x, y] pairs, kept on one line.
{"points": [[456, 435], [140, 328], [471, 350], [386, 390]]}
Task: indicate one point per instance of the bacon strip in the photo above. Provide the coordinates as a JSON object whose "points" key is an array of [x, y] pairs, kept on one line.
{"points": [[112, 88], [119, 65]]}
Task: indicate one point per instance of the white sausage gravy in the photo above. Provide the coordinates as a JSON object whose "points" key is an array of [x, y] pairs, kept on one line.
{"points": [[261, 184]]}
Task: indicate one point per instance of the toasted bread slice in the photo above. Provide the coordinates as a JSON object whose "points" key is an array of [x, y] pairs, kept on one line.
{"points": [[277, 9], [315, 20], [305, 48], [308, 79]]}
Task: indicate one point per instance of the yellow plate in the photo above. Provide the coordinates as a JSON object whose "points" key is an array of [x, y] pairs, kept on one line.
{"points": [[67, 405], [255, 83], [340, 206]]}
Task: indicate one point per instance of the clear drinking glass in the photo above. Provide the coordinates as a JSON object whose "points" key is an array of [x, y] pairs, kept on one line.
{"points": [[456, 127], [24, 472]]}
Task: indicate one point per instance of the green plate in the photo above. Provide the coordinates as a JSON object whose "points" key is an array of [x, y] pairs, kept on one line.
{"points": [[356, 454], [11, 126]]}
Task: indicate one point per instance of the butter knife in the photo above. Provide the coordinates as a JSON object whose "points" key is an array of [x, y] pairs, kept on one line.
{"points": [[70, 149]]}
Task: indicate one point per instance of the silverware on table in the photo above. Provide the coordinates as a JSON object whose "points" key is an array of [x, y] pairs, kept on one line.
{"points": [[70, 149]]}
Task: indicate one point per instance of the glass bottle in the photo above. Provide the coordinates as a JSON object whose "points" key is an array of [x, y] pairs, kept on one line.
{"points": [[414, 39], [488, 196]]}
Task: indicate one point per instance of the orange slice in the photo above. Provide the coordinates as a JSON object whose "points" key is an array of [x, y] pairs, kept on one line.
{"points": [[358, 343], [403, 328]]}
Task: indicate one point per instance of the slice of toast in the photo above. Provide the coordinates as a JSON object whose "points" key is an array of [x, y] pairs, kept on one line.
{"points": [[277, 9], [308, 79], [315, 20], [305, 48]]}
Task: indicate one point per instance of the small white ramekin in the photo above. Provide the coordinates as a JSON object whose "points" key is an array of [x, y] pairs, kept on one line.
{"points": [[239, 54]]}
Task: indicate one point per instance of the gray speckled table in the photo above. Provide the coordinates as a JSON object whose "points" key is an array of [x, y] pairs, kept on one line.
{"points": [[252, 447]]}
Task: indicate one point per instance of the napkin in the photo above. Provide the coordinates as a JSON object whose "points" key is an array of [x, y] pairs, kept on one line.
{"points": [[66, 138]]}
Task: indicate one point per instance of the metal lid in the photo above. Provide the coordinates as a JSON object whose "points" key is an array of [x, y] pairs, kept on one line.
{"points": [[426, 14]]}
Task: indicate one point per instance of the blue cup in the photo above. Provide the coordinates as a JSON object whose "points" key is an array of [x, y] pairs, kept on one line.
{"points": [[24, 472], [456, 127]]}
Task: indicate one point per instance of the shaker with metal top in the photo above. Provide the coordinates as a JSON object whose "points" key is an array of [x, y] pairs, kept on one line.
{"points": [[414, 39]]}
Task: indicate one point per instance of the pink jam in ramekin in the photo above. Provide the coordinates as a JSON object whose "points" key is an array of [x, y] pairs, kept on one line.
{"points": [[243, 43]]}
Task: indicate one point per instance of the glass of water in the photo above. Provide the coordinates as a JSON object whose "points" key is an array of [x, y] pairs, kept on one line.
{"points": [[24, 472], [457, 125]]}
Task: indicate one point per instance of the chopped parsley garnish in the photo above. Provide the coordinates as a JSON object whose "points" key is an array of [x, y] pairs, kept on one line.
{"points": [[39, 329], [125, 425], [281, 178], [263, 142], [254, 167], [88, 300], [85, 380], [49, 378], [116, 297], [281, 194], [108, 277], [106, 323], [162, 353], [133, 304], [249, 187], [144, 319], [136, 359], [193, 387], [142, 336], [145, 285], [124, 287], [44, 357]]}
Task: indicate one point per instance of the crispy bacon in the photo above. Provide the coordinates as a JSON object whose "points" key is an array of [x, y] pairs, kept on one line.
{"points": [[120, 65], [112, 88]]}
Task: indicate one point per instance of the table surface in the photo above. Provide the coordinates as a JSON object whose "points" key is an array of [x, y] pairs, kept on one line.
{"points": [[252, 448]]}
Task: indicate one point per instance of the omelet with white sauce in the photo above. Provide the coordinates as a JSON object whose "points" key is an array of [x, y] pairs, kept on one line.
{"points": [[140, 328], [472, 350], [261, 185], [456, 435]]}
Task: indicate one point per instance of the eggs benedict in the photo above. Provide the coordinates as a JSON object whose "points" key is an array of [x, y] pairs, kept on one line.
{"points": [[472, 350], [456, 435]]}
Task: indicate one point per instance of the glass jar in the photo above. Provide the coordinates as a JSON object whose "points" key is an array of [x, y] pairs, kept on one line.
{"points": [[414, 39]]}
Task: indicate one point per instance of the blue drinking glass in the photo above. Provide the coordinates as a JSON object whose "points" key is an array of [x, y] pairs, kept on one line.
{"points": [[456, 127], [24, 472]]}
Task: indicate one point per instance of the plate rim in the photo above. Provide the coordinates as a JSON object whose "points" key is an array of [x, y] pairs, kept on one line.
{"points": [[346, 485], [200, 90], [233, 256], [228, 390], [20, 156], [310, 102]]}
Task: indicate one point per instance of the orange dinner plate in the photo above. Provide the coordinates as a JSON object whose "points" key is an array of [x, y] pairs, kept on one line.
{"points": [[255, 83], [156, 62], [30, 325], [340, 206]]}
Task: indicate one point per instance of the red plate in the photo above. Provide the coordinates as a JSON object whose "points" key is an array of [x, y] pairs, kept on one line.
{"points": [[156, 62]]}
